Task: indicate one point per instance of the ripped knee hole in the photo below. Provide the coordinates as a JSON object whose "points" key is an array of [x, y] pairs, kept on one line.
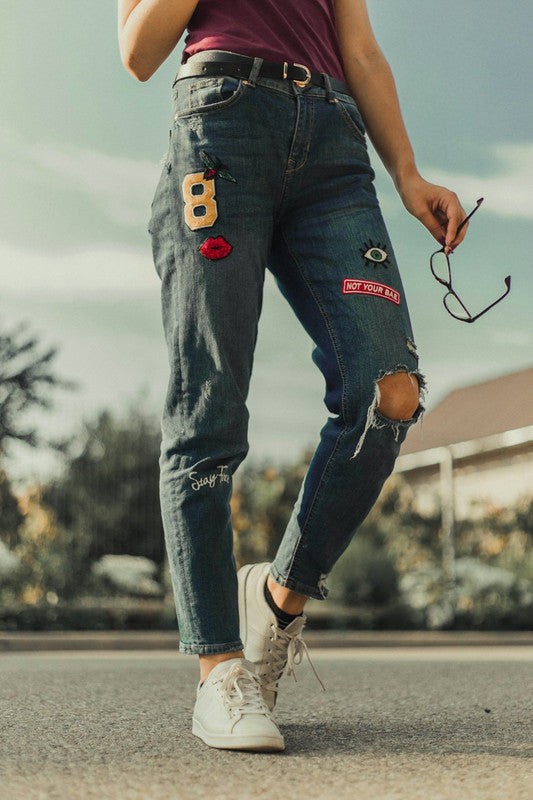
{"points": [[398, 395]]}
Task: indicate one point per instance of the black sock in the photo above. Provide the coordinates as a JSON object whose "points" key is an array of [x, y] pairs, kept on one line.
{"points": [[282, 617]]}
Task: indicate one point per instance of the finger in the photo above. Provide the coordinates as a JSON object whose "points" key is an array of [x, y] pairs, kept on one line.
{"points": [[436, 227], [460, 235], [453, 213], [456, 215]]}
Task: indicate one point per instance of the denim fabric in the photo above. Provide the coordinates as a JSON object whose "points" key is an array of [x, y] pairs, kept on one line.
{"points": [[263, 173]]}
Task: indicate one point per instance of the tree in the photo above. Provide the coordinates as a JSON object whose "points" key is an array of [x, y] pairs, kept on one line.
{"points": [[262, 503], [108, 494], [26, 381], [10, 515]]}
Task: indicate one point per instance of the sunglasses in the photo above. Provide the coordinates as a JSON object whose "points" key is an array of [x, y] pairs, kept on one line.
{"points": [[442, 272]]}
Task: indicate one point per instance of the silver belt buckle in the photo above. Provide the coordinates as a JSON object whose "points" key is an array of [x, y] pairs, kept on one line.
{"points": [[307, 77]]}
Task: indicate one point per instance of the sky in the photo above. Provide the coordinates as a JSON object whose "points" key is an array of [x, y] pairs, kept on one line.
{"points": [[80, 148]]}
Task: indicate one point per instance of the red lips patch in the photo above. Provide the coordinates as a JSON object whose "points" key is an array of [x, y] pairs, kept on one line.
{"points": [[215, 248]]}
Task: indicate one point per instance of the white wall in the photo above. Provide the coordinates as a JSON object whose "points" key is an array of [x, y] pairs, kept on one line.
{"points": [[491, 483]]}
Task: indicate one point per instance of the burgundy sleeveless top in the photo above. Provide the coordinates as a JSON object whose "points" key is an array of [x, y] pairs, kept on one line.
{"points": [[297, 31]]}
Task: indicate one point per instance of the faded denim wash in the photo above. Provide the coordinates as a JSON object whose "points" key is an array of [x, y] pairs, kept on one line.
{"points": [[263, 173]]}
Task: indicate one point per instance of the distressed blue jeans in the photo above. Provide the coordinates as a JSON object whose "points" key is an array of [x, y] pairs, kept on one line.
{"points": [[266, 174]]}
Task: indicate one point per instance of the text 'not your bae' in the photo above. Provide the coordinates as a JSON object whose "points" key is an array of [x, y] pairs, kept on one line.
{"points": [[355, 286]]}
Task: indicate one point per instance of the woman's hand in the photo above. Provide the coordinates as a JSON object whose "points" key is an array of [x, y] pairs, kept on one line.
{"points": [[436, 207]]}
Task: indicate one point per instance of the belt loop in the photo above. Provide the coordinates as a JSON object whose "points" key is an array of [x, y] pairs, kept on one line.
{"points": [[254, 72], [329, 91]]}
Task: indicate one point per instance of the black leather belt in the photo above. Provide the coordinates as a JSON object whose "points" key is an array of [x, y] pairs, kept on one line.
{"points": [[220, 63]]}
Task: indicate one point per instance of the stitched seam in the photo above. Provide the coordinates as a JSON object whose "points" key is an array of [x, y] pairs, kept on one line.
{"points": [[308, 146], [176, 327], [343, 395], [326, 321], [350, 123], [180, 539], [298, 586], [169, 198], [213, 107], [287, 171], [310, 515]]}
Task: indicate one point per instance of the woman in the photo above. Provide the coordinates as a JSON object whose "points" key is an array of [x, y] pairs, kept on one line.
{"points": [[267, 166]]}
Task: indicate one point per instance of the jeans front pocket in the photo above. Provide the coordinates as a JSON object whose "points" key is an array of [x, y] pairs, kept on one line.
{"points": [[205, 95], [352, 117]]}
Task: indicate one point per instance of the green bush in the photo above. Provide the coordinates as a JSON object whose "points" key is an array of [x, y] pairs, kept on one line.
{"points": [[108, 494], [106, 502], [364, 574]]}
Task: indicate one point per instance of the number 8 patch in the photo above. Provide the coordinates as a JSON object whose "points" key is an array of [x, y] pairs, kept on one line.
{"points": [[200, 205]]}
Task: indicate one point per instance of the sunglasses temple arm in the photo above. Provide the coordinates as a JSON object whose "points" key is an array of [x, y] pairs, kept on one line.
{"points": [[463, 223], [508, 282]]}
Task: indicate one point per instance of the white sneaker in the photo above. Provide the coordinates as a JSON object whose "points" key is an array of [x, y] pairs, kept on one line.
{"points": [[269, 647], [230, 712]]}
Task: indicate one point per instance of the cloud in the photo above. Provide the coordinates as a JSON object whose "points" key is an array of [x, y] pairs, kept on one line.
{"points": [[514, 338], [122, 187], [507, 191], [101, 270]]}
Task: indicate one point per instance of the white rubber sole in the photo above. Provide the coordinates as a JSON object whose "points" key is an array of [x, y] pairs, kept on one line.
{"points": [[260, 744], [242, 577]]}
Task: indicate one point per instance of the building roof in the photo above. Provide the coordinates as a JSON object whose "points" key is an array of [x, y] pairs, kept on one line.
{"points": [[476, 411]]}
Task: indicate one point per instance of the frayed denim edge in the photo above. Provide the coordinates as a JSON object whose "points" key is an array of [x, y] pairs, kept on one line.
{"points": [[209, 649], [318, 592], [374, 419]]}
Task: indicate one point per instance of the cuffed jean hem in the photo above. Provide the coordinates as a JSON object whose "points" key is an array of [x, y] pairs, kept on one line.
{"points": [[209, 649], [319, 592]]}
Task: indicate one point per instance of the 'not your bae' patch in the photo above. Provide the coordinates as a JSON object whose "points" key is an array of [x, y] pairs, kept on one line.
{"points": [[353, 286]]}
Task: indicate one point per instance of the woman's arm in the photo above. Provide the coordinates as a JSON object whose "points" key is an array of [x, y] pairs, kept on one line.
{"points": [[372, 85], [149, 30]]}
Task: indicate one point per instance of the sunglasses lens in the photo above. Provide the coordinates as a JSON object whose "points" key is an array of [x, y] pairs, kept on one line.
{"points": [[440, 267], [455, 307]]}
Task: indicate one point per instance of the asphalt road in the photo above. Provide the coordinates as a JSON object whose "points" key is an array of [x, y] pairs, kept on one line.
{"points": [[430, 723]]}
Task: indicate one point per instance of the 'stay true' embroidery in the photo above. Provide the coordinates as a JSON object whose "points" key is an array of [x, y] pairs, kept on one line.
{"points": [[222, 476], [353, 286]]}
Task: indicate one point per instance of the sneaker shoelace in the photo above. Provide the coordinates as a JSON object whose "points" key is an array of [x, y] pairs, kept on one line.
{"points": [[242, 692], [286, 650]]}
